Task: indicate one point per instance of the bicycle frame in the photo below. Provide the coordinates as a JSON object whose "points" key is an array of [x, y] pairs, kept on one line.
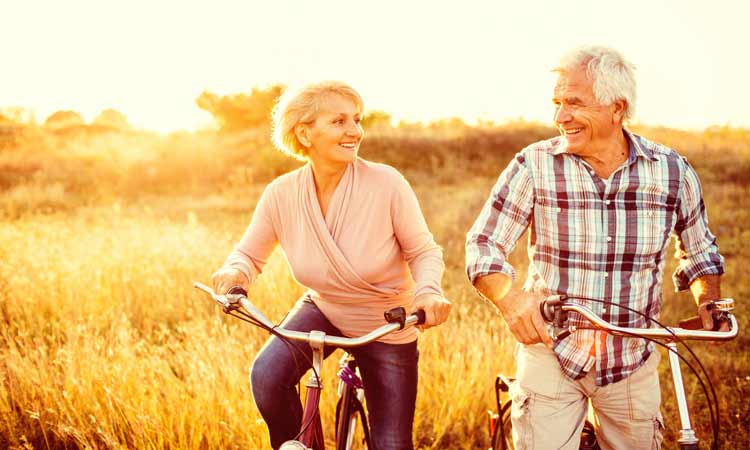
{"points": [[555, 309], [687, 439], [351, 394], [312, 436]]}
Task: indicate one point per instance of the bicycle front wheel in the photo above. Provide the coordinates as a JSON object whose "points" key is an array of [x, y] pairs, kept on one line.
{"points": [[349, 414]]}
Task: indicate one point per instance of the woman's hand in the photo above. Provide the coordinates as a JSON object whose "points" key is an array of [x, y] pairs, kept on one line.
{"points": [[436, 309], [228, 277]]}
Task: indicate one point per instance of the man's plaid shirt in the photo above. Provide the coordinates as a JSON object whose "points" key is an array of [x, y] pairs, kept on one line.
{"points": [[597, 239]]}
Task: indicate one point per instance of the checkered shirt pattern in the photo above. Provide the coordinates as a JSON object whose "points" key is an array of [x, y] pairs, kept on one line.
{"points": [[597, 239]]}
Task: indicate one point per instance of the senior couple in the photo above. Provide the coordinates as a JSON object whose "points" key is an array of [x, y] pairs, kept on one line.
{"points": [[601, 204]]}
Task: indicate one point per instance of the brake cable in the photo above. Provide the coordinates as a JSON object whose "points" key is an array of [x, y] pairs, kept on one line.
{"points": [[711, 400]]}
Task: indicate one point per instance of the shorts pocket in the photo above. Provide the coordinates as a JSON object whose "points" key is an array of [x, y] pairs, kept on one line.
{"points": [[644, 393], [539, 371], [658, 432], [520, 416]]}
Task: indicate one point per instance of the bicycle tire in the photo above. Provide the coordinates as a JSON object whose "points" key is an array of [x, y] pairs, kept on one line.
{"points": [[503, 437], [347, 408]]}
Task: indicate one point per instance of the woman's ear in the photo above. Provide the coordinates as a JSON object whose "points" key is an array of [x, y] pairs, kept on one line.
{"points": [[302, 131]]}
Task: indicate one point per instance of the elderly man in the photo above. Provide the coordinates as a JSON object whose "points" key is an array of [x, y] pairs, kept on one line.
{"points": [[601, 204]]}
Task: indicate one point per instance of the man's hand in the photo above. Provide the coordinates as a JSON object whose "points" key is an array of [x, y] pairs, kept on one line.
{"points": [[521, 312], [707, 319], [706, 289], [435, 307], [228, 277], [524, 319]]}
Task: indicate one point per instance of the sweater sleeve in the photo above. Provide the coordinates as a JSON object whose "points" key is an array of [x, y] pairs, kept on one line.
{"points": [[260, 238], [424, 256]]}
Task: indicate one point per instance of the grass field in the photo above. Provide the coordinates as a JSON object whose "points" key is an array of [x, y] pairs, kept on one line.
{"points": [[104, 344]]}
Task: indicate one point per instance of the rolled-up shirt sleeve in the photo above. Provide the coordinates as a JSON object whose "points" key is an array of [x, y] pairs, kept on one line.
{"points": [[695, 245], [504, 218], [260, 238]]}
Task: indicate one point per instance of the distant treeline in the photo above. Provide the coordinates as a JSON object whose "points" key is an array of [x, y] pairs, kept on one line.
{"points": [[80, 163]]}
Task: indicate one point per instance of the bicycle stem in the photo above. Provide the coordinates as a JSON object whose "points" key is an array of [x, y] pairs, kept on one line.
{"points": [[317, 342]]}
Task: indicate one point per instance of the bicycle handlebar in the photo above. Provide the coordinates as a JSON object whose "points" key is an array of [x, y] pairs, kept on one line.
{"points": [[231, 302], [550, 306]]}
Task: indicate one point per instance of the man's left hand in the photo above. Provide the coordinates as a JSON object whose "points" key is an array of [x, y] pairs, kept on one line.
{"points": [[436, 309], [707, 318]]}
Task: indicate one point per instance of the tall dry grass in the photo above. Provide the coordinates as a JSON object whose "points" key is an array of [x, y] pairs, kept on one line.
{"points": [[105, 344]]}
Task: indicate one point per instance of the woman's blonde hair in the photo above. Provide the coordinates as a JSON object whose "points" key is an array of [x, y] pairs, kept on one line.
{"points": [[302, 105]]}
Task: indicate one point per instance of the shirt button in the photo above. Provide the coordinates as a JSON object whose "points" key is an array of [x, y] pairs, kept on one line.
{"points": [[607, 202], [592, 172], [606, 274], [609, 238]]}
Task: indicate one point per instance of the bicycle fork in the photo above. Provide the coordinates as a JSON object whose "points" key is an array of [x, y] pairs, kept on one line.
{"points": [[350, 384], [687, 440]]}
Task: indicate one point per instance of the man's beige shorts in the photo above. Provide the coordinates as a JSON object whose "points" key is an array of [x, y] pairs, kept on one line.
{"points": [[549, 409]]}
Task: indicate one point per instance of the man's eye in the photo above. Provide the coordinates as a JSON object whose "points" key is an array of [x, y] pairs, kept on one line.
{"points": [[357, 120]]}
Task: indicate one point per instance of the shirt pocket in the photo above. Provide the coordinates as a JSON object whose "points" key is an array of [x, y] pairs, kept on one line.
{"points": [[564, 225], [648, 225]]}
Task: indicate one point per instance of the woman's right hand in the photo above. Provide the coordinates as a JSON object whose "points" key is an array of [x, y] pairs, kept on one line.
{"points": [[228, 277]]}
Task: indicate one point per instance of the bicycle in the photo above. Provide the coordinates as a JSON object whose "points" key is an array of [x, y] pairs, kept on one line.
{"points": [[350, 410], [555, 311]]}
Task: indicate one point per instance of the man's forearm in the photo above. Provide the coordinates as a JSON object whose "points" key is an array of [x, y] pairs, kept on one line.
{"points": [[706, 288], [494, 286]]}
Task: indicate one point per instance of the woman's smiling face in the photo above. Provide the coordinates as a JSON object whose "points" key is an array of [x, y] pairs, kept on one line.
{"points": [[336, 133]]}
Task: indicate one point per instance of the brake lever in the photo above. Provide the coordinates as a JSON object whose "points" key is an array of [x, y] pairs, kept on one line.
{"points": [[720, 311], [231, 302], [552, 312]]}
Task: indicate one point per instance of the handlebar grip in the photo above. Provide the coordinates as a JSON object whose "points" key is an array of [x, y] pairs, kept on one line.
{"points": [[398, 315], [237, 290], [695, 323]]}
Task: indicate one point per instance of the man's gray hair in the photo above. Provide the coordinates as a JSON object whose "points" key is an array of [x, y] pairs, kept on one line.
{"points": [[612, 74]]}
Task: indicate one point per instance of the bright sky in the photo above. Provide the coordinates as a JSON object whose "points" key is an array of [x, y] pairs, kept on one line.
{"points": [[416, 59]]}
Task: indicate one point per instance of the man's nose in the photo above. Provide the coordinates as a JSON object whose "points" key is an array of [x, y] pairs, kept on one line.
{"points": [[562, 115]]}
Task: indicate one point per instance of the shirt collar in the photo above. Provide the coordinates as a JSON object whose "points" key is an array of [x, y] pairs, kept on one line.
{"points": [[636, 148]]}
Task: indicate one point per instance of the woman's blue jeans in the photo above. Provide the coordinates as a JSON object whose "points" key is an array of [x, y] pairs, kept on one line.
{"points": [[389, 373]]}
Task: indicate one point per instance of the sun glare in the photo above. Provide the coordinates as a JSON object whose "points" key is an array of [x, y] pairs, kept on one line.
{"points": [[151, 61]]}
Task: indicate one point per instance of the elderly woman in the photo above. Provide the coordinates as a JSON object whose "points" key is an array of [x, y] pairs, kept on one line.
{"points": [[354, 235]]}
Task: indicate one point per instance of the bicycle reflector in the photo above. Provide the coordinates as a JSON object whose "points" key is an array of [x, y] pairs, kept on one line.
{"points": [[492, 422]]}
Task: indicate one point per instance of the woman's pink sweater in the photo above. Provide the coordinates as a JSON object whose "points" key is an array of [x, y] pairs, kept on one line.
{"points": [[371, 252]]}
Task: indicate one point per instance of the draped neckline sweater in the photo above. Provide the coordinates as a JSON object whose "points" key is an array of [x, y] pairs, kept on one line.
{"points": [[372, 250]]}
